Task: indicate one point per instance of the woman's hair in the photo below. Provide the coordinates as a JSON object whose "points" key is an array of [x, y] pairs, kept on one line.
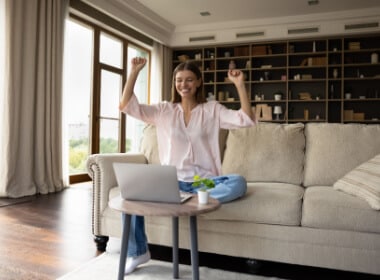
{"points": [[191, 66]]}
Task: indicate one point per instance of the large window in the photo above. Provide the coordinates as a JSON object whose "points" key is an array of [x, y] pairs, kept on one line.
{"points": [[77, 86], [95, 70]]}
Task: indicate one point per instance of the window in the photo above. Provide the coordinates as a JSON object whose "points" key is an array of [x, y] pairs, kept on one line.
{"points": [[77, 88], [95, 70], [135, 127]]}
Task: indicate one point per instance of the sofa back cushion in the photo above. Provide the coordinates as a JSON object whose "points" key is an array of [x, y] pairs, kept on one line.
{"points": [[332, 150], [149, 144], [266, 152]]}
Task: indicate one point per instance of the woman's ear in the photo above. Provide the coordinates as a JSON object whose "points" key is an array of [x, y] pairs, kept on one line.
{"points": [[199, 82]]}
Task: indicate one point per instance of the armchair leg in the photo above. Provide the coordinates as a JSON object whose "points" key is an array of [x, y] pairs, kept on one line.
{"points": [[101, 242]]}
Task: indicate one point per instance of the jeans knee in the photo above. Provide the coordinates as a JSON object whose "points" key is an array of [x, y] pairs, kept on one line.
{"points": [[239, 183]]}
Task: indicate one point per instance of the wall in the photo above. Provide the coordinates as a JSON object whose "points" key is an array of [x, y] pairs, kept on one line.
{"points": [[133, 13], [277, 28]]}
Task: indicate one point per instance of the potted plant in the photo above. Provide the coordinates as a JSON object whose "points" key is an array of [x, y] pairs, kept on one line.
{"points": [[278, 95], [203, 185]]}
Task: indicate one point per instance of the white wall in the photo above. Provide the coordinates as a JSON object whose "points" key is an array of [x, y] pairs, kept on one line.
{"points": [[330, 24], [135, 15]]}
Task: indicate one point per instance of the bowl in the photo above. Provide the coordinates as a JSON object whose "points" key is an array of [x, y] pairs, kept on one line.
{"points": [[183, 58]]}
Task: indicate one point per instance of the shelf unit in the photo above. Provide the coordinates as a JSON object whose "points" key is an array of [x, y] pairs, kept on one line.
{"points": [[314, 75]]}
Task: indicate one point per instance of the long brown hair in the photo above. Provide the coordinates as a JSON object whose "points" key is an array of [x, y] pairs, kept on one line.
{"points": [[191, 66]]}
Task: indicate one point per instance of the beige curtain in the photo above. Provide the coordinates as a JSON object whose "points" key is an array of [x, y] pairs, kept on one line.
{"points": [[167, 73], [156, 80], [32, 157], [162, 71]]}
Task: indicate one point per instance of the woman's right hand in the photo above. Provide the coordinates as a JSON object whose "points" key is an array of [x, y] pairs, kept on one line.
{"points": [[138, 63]]}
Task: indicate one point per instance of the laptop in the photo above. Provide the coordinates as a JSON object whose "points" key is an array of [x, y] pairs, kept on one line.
{"points": [[149, 182]]}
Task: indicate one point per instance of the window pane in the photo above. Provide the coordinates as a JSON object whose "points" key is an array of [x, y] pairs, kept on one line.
{"points": [[109, 131], [110, 93], [111, 50], [141, 87], [77, 92], [134, 127]]}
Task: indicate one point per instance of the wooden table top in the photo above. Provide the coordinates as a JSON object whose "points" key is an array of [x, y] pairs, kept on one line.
{"points": [[143, 208]]}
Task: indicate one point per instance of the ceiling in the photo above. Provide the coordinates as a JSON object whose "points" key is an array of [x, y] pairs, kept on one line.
{"points": [[187, 12], [178, 22]]}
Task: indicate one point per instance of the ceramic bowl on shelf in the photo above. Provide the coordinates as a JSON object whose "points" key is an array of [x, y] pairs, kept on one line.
{"points": [[183, 58]]}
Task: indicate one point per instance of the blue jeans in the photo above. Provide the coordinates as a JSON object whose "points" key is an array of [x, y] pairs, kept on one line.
{"points": [[227, 188]]}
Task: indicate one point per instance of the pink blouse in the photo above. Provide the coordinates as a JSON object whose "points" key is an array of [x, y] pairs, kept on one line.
{"points": [[193, 149]]}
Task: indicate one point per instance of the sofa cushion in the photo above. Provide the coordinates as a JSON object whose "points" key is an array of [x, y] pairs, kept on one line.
{"points": [[332, 150], [149, 145], [266, 203], [326, 208], [266, 152], [363, 182]]}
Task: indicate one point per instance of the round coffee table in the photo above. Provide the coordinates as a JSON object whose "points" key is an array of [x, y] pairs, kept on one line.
{"points": [[190, 208]]}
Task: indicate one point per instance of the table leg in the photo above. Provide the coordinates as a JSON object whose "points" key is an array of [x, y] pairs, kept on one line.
{"points": [[124, 245], [194, 247], [175, 247]]}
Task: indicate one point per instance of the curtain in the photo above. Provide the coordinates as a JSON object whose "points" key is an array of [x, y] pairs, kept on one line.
{"points": [[162, 67], [157, 77], [167, 73], [2, 84], [31, 131]]}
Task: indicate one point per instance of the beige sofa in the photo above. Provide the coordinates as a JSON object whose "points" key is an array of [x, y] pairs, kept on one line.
{"points": [[291, 212]]}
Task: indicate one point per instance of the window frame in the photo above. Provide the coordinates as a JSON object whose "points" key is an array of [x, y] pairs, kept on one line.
{"points": [[95, 102]]}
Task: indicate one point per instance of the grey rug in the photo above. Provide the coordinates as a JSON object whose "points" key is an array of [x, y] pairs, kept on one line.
{"points": [[105, 267]]}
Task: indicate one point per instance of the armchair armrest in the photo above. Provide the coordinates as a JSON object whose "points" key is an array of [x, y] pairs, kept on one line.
{"points": [[100, 169]]}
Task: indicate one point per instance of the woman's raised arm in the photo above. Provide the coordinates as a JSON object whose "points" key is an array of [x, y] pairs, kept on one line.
{"points": [[137, 64]]}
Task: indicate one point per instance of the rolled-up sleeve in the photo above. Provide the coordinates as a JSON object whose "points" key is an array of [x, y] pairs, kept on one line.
{"points": [[230, 119], [143, 112]]}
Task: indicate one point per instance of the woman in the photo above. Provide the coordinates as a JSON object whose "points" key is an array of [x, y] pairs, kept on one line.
{"points": [[188, 138]]}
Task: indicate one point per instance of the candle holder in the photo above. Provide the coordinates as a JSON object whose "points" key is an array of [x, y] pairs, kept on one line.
{"points": [[277, 111]]}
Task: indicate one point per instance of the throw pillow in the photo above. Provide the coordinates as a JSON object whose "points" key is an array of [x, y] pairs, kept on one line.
{"points": [[266, 152], [363, 182]]}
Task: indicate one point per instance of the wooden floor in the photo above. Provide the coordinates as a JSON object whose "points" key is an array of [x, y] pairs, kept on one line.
{"points": [[48, 236], [51, 235]]}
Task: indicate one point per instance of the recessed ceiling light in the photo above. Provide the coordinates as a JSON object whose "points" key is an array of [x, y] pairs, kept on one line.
{"points": [[313, 2], [205, 14]]}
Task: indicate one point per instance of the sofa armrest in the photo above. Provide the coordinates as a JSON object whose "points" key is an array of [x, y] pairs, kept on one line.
{"points": [[100, 169]]}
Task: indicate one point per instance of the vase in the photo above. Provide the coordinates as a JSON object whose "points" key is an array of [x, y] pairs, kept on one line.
{"points": [[232, 65], [374, 58], [203, 197], [335, 73]]}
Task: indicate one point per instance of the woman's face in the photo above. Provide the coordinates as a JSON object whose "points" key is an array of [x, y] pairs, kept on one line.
{"points": [[186, 84]]}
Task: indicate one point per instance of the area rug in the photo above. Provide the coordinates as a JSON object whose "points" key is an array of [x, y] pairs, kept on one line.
{"points": [[105, 267]]}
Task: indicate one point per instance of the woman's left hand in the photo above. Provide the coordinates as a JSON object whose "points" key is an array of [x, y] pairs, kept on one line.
{"points": [[236, 76]]}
